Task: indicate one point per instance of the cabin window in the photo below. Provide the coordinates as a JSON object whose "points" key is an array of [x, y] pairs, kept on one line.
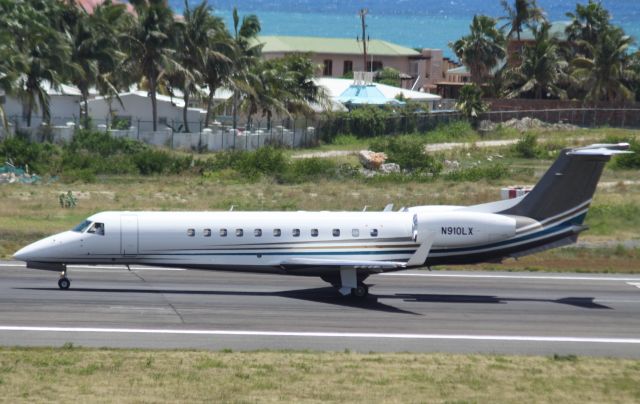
{"points": [[374, 233], [277, 232], [191, 232], [97, 228], [257, 232], [223, 232], [314, 232], [206, 232], [336, 232], [355, 232], [239, 232], [295, 232], [82, 226]]}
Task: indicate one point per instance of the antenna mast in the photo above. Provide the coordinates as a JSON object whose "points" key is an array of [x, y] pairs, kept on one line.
{"points": [[363, 14]]}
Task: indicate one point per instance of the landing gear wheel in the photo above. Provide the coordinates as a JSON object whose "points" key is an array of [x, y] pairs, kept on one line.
{"points": [[64, 283], [361, 291]]}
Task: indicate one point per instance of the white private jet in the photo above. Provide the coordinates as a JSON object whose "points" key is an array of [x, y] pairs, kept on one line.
{"points": [[342, 248]]}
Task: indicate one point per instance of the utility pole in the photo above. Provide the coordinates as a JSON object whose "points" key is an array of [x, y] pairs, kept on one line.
{"points": [[363, 14]]}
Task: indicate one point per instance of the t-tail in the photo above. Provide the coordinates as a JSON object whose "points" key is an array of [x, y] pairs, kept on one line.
{"points": [[568, 186], [561, 199]]}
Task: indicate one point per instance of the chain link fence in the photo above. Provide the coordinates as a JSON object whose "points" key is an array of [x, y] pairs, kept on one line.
{"points": [[304, 132]]}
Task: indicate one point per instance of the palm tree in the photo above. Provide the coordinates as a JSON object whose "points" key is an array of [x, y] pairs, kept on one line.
{"points": [[246, 53], [588, 22], [523, 13], [45, 50], [470, 103], [482, 49], [218, 64], [605, 73], [150, 46], [198, 50], [95, 48], [540, 69], [11, 61]]}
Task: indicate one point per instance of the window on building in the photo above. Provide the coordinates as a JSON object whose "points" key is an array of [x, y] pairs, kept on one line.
{"points": [[257, 232], [314, 232], [163, 120], [239, 232], [295, 232], [336, 232], [374, 66], [347, 67], [223, 232], [328, 67], [355, 233], [277, 232], [374, 233], [206, 232], [191, 232]]}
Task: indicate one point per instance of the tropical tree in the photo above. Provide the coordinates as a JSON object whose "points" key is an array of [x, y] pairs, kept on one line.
{"points": [[150, 46], [199, 51], [37, 27], [245, 55], [11, 61], [541, 67], [524, 13], [588, 22], [470, 103], [482, 49], [285, 87], [605, 73], [96, 49]]}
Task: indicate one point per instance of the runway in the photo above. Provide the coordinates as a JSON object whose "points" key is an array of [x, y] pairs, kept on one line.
{"points": [[417, 311]]}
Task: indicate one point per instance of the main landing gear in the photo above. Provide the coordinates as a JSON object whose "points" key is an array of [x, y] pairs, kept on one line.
{"points": [[64, 283], [349, 283]]}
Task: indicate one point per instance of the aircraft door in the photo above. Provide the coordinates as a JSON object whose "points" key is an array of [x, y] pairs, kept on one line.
{"points": [[129, 234]]}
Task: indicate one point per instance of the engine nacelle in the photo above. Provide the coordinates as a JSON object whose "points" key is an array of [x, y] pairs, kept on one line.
{"points": [[460, 229]]}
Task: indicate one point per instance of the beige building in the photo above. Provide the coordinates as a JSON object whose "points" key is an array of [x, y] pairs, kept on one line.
{"points": [[339, 57]]}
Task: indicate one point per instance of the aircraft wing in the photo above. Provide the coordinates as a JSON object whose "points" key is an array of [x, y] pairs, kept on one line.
{"points": [[338, 263], [417, 259]]}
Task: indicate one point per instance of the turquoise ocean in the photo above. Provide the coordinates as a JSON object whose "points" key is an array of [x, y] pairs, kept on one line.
{"points": [[412, 23]]}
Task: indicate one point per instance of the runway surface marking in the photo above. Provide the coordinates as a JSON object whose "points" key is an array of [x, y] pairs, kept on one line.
{"points": [[636, 284], [542, 277], [516, 338]]}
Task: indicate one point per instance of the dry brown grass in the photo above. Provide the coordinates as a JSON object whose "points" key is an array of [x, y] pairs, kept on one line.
{"points": [[91, 375]]}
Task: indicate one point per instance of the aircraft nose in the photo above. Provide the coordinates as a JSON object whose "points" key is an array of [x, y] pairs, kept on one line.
{"points": [[28, 253]]}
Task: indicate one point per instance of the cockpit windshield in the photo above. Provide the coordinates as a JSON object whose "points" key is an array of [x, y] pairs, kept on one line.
{"points": [[82, 226]]}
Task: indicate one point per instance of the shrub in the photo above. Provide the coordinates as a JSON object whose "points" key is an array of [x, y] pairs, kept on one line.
{"points": [[408, 152], [527, 146], [308, 169], [472, 174]]}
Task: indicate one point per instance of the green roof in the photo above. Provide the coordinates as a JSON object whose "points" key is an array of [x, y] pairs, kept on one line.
{"points": [[346, 46], [557, 30]]}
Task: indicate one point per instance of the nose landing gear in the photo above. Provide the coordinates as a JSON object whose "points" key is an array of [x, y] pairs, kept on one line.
{"points": [[64, 283]]}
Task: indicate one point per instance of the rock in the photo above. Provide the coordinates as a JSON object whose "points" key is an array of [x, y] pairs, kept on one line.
{"points": [[371, 160], [389, 168], [451, 164]]}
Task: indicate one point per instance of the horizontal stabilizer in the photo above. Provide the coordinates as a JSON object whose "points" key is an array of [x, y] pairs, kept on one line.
{"points": [[601, 149]]}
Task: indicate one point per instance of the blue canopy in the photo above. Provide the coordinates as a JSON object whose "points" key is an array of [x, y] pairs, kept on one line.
{"points": [[365, 94]]}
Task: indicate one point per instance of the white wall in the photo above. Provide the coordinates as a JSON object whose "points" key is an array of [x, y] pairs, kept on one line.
{"points": [[63, 109], [139, 108]]}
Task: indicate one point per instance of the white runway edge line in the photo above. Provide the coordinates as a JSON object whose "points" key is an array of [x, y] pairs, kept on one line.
{"points": [[515, 338], [515, 276]]}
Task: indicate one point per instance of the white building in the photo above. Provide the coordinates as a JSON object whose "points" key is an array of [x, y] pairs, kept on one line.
{"points": [[64, 106], [136, 110]]}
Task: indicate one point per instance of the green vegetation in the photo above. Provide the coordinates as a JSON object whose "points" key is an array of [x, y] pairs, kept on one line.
{"points": [[72, 374]]}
